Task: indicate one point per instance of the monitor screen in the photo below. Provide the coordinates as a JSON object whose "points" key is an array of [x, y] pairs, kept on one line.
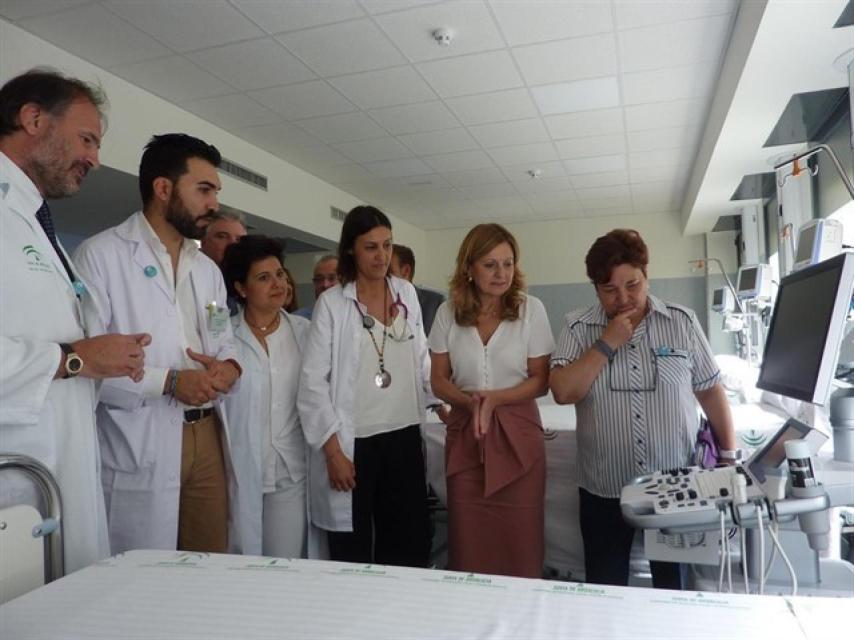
{"points": [[718, 298], [806, 330], [747, 279], [805, 243], [773, 454]]}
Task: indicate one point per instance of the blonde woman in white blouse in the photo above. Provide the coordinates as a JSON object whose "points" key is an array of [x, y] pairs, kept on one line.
{"points": [[490, 344]]}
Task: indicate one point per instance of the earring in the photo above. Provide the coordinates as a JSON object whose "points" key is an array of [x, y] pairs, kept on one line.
{"points": [[469, 279]]}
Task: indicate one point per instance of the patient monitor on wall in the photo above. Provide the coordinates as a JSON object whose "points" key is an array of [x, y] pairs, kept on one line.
{"points": [[722, 300], [754, 281], [818, 240]]}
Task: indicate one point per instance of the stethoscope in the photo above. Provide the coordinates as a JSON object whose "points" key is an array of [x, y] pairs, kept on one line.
{"points": [[368, 322]]}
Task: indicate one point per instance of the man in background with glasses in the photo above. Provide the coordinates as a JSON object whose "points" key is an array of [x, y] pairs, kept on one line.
{"points": [[635, 367], [325, 277]]}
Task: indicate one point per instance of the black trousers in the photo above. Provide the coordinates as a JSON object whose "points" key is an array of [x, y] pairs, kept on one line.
{"points": [[608, 545], [391, 523]]}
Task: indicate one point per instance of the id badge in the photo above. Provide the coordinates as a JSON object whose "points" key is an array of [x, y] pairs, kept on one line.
{"points": [[217, 318]]}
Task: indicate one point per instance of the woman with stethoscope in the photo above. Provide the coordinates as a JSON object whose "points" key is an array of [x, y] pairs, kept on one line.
{"points": [[363, 392]]}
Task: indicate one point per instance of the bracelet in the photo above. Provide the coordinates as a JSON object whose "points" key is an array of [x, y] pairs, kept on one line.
{"points": [[605, 349], [235, 364], [730, 454]]}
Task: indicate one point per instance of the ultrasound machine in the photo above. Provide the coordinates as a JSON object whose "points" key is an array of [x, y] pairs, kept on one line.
{"points": [[786, 488]]}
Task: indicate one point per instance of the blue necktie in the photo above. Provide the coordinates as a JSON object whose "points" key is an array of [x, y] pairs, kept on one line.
{"points": [[46, 221]]}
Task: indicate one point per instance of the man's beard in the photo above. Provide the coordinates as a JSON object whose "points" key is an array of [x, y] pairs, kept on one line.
{"points": [[51, 170], [179, 217]]}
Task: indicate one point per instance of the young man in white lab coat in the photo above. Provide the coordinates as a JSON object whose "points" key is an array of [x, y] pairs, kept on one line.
{"points": [[50, 133], [164, 451]]}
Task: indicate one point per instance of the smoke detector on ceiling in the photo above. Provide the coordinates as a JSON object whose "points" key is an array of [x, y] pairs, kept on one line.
{"points": [[534, 173], [443, 36]]}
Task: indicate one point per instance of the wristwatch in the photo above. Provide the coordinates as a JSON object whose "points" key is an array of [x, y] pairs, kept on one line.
{"points": [[73, 362], [731, 454]]}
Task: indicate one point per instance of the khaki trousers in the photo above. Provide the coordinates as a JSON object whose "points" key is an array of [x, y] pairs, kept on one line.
{"points": [[203, 510]]}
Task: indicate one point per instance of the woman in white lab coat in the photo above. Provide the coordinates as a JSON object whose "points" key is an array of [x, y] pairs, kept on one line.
{"points": [[267, 444], [363, 393]]}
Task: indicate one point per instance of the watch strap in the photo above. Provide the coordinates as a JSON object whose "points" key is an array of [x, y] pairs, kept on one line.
{"points": [[604, 348]]}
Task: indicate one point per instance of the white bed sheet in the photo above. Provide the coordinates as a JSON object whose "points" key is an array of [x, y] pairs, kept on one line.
{"points": [[166, 594]]}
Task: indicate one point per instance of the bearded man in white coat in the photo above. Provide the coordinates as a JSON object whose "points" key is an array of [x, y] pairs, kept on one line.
{"points": [[164, 449], [50, 134]]}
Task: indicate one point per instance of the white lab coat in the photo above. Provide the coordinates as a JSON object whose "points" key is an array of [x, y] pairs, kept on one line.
{"points": [[326, 397], [244, 409], [141, 436], [50, 420]]}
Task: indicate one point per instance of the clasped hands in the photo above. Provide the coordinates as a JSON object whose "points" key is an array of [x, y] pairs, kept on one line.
{"points": [[482, 406], [196, 387]]}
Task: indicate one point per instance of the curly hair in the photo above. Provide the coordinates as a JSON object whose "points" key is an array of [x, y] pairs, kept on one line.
{"points": [[618, 246], [463, 292]]}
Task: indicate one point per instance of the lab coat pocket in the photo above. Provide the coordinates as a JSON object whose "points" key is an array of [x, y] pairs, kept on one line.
{"points": [[126, 439]]}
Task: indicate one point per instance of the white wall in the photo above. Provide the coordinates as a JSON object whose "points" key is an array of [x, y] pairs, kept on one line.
{"points": [[295, 198], [553, 251]]}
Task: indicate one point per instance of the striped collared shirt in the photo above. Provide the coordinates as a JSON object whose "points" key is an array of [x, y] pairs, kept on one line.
{"points": [[640, 415]]}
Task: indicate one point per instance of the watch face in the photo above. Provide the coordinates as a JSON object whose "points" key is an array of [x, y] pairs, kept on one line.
{"points": [[73, 364]]}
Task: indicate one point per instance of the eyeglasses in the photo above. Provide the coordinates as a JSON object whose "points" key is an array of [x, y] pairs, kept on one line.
{"points": [[631, 378], [332, 279]]}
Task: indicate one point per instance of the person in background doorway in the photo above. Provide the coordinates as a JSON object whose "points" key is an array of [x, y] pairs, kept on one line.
{"points": [[227, 226], [325, 277], [403, 266], [635, 368]]}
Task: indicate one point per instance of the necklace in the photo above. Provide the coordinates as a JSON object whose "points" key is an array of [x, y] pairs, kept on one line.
{"points": [[383, 378], [265, 330]]}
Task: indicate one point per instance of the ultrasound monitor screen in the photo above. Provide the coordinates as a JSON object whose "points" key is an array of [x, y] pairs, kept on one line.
{"points": [[718, 297], [805, 243], [799, 330]]}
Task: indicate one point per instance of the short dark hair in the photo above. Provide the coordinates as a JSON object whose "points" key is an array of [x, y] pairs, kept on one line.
{"points": [[240, 256], [50, 89], [619, 246], [165, 156], [404, 256], [359, 221]]}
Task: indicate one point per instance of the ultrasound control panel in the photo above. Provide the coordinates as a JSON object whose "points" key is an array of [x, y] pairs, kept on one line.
{"points": [[683, 496]]}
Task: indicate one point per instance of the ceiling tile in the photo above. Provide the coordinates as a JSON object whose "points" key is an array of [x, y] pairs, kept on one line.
{"points": [[632, 14], [640, 174], [543, 185], [304, 100], [658, 115], [674, 44], [174, 78], [373, 150], [670, 138], [524, 153], [434, 142], [275, 16], [459, 161], [342, 48], [513, 104], [624, 202], [346, 173], [606, 209], [189, 24], [14, 10], [277, 136], [661, 158], [606, 178], [546, 198], [520, 172], [116, 42], [232, 112], [581, 95], [598, 164], [314, 158], [398, 168], [489, 175], [541, 20], [502, 134], [585, 123], [693, 81], [347, 127], [472, 26], [384, 6], [254, 64], [601, 193], [415, 118], [385, 88], [567, 60], [489, 208], [496, 190], [591, 146], [466, 75]]}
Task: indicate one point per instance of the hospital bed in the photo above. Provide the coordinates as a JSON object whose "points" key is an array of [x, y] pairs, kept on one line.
{"points": [[166, 594]]}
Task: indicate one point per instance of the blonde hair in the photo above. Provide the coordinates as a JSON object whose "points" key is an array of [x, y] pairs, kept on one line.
{"points": [[463, 292]]}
